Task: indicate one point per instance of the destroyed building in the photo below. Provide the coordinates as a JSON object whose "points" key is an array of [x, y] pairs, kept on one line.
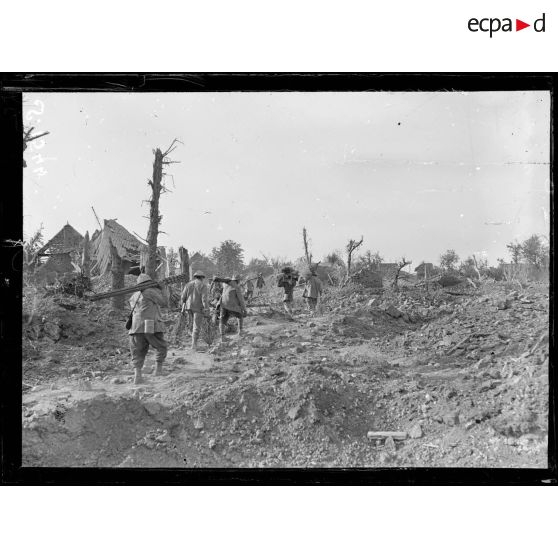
{"points": [[116, 244], [56, 256], [424, 270]]}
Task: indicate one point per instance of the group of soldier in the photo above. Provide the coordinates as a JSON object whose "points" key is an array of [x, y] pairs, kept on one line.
{"points": [[224, 298]]}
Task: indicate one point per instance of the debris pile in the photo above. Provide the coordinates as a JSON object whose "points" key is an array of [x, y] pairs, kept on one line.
{"points": [[390, 378]]}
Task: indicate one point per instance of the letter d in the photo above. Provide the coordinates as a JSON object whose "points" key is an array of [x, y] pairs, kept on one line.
{"points": [[542, 21]]}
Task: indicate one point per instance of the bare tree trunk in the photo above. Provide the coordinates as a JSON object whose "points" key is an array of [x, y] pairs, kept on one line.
{"points": [[307, 253], [351, 247], [154, 216], [476, 268], [400, 265], [117, 277], [86, 257]]}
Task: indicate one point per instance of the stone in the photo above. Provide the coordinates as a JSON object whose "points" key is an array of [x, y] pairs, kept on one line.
{"points": [[393, 312], [504, 304], [152, 407], [117, 380], [212, 443], [294, 412], [258, 341], [389, 444], [52, 330], [451, 419], [249, 374], [180, 360], [198, 424], [416, 431]]}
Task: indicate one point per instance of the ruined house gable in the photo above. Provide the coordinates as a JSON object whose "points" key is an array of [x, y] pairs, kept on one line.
{"points": [[65, 241]]}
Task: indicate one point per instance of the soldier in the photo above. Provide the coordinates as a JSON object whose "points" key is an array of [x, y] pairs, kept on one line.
{"points": [[312, 291], [216, 289], [288, 280], [147, 327], [195, 299], [215, 292], [249, 285], [260, 283], [232, 304]]}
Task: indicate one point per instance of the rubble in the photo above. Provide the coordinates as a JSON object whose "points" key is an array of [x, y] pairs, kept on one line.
{"points": [[458, 383]]}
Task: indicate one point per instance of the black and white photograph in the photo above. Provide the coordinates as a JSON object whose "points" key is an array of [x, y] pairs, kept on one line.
{"points": [[286, 279]]}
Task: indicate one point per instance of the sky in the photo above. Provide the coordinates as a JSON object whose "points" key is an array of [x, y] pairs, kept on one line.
{"points": [[414, 173]]}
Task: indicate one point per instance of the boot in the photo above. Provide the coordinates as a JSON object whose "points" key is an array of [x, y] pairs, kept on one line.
{"points": [[194, 344], [137, 376], [159, 369]]}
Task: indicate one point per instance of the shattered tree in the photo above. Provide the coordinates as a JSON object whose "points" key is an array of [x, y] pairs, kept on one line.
{"points": [[157, 187], [306, 242], [28, 138], [351, 247], [400, 265]]}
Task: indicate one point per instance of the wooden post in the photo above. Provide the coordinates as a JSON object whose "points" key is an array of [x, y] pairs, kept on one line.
{"points": [[163, 267], [117, 277], [171, 259], [184, 261]]}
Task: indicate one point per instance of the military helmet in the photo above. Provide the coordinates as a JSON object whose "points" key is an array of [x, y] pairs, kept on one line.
{"points": [[199, 274]]}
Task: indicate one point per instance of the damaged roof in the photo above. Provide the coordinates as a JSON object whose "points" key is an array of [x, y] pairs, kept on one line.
{"points": [[126, 244], [65, 241]]}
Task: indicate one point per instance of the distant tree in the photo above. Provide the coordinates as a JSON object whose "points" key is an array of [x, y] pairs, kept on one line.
{"points": [[277, 263], [534, 251], [202, 262], [257, 265], [474, 267], [369, 260], [228, 258], [334, 258], [515, 250], [449, 260]]}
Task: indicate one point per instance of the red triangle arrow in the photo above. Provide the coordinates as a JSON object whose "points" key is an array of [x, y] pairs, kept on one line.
{"points": [[519, 25]]}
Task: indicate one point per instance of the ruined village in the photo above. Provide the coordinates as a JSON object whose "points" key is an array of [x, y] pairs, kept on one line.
{"points": [[400, 364]]}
